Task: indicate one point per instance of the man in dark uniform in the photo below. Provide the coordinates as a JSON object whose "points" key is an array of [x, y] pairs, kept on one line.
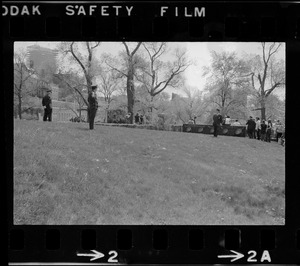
{"points": [[93, 106], [47, 104], [217, 122]]}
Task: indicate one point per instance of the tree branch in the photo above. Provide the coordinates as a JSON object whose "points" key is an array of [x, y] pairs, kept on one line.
{"points": [[269, 91], [76, 58], [136, 48], [96, 45], [73, 88]]}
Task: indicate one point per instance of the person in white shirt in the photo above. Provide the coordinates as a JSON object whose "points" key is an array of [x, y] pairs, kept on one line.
{"points": [[236, 123], [191, 121], [279, 128], [257, 128], [227, 120]]}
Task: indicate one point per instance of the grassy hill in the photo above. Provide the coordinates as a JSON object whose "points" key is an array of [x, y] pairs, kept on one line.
{"points": [[67, 174]]}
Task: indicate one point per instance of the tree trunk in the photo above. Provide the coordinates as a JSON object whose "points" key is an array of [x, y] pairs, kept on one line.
{"points": [[263, 109], [151, 109], [106, 115], [130, 95], [20, 108]]}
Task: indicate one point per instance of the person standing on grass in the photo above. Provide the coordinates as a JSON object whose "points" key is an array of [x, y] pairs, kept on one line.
{"points": [[283, 137], [250, 127], [47, 104], [263, 130], [93, 106], [278, 130], [269, 129], [141, 119], [257, 128], [217, 122], [137, 118]]}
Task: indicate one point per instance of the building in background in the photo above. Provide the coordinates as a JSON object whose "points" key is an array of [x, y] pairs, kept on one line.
{"points": [[42, 59]]}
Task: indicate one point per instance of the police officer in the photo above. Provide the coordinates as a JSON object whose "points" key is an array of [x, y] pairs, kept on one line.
{"points": [[217, 122], [93, 106], [47, 104]]}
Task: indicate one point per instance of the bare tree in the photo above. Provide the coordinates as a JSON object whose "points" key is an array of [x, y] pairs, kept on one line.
{"points": [[274, 105], [109, 82], [156, 75], [227, 75], [267, 74], [25, 83], [128, 70], [78, 88], [190, 105], [84, 58], [83, 55]]}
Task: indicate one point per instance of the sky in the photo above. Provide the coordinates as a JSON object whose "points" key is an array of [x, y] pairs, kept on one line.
{"points": [[198, 52]]}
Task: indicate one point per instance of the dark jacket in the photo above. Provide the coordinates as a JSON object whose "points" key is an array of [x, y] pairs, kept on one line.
{"points": [[47, 102], [137, 118], [217, 119], [263, 128], [92, 99], [269, 128], [251, 124]]}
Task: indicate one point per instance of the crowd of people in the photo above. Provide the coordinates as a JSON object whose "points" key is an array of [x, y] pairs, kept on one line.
{"points": [[256, 129], [262, 130], [139, 118]]}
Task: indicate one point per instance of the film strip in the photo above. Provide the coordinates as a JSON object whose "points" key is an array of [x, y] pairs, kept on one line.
{"points": [[154, 21]]}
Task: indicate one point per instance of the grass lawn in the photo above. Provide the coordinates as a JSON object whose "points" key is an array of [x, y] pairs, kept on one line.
{"points": [[67, 174]]}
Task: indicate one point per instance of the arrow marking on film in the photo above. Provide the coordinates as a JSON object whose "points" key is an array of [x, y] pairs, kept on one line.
{"points": [[235, 256], [96, 255]]}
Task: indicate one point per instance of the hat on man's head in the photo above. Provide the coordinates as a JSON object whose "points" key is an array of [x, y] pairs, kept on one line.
{"points": [[94, 87], [49, 90]]}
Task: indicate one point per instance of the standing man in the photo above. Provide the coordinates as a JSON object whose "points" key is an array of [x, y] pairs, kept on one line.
{"points": [[278, 130], [250, 127], [263, 131], [269, 130], [257, 128], [93, 106], [141, 119], [137, 118], [217, 122], [47, 104]]}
